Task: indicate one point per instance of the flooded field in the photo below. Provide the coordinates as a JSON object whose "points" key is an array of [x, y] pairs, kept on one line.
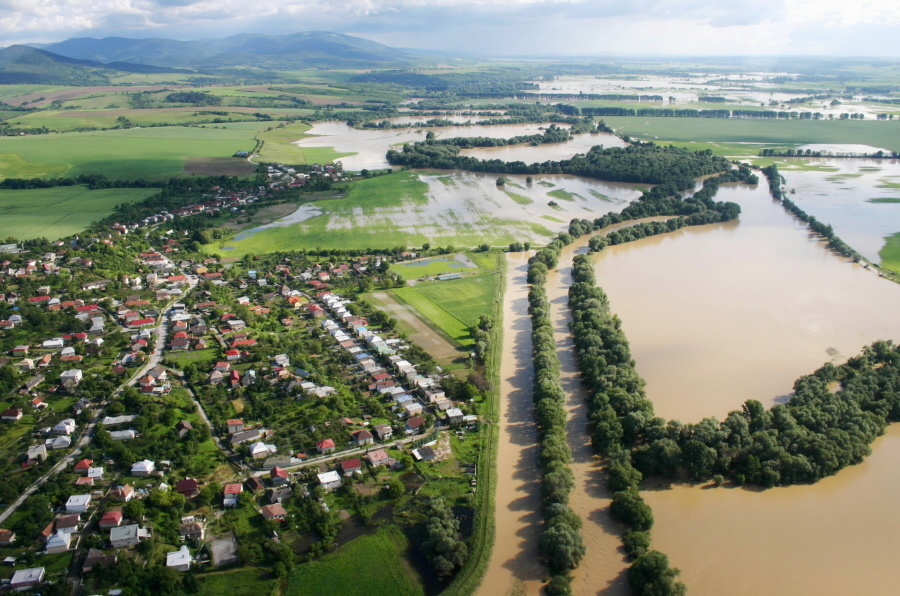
{"points": [[369, 146], [724, 313], [720, 314], [458, 208], [836, 537], [860, 198]]}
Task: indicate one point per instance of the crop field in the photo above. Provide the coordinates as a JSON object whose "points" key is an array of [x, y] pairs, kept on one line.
{"points": [[56, 212], [131, 153], [368, 566], [726, 136]]}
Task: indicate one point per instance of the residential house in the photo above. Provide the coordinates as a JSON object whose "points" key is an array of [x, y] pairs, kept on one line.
{"points": [[230, 494], [143, 468], [59, 543], [363, 437], [36, 453], [78, 503], [384, 432], [260, 450], [274, 511], [123, 493], [377, 458], [97, 557], [24, 579], [65, 427], [330, 480], [188, 487], [454, 416], [351, 466], [235, 425], [192, 530], [247, 435], [414, 425], [325, 446], [125, 536], [278, 476], [279, 494], [83, 466], [183, 428], [11, 414], [179, 560], [110, 519], [7, 537]]}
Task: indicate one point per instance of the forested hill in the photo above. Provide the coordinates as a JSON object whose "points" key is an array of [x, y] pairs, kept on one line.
{"points": [[304, 49], [644, 163], [27, 65]]}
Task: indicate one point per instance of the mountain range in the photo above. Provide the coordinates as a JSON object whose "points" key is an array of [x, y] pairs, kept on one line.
{"points": [[297, 50], [89, 61]]}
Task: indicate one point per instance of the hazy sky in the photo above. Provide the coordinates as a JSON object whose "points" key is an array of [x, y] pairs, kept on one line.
{"points": [[501, 27]]}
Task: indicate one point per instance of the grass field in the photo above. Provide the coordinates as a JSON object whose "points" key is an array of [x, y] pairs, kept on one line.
{"points": [[890, 253], [431, 267], [57, 212], [131, 153], [368, 566], [239, 582], [725, 136], [455, 305]]}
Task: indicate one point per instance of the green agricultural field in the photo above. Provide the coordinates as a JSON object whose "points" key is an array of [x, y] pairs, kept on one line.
{"points": [[454, 305], [131, 153], [725, 136], [368, 566], [890, 253], [57, 212]]}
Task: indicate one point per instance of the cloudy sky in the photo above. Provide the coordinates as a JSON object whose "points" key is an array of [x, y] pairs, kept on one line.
{"points": [[494, 27]]}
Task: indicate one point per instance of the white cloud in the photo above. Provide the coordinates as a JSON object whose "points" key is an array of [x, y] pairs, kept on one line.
{"points": [[555, 27]]}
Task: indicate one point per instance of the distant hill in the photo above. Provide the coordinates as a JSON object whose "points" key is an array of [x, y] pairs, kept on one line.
{"points": [[298, 50], [26, 65]]}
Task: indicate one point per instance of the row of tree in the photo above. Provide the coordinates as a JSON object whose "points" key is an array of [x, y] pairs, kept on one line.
{"points": [[694, 113], [561, 545], [834, 241], [616, 391], [641, 163]]}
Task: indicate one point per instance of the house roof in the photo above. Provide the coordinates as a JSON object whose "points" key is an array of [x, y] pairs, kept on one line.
{"points": [[274, 510], [188, 484], [351, 464], [325, 444], [84, 464], [234, 488], [111, 517]]}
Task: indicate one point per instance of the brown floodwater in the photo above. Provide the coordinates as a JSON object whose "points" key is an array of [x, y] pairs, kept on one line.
{"points": [[723, 313], [514, 566], [368, 146], [860, 198]]}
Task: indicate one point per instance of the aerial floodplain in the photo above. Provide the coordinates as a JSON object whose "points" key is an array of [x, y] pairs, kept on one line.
{"points": [[305, 313]]}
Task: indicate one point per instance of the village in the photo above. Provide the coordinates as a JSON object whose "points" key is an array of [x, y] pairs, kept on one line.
{"points": [[187, 413]]}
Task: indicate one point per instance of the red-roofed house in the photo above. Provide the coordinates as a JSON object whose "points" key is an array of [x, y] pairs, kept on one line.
{"points": [[325, 446], [351, 466], [275, 511], [110, 519], [188, 487]]}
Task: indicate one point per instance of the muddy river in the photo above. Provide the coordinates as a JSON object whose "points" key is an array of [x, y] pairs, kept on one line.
{"points": [[724, 313]]}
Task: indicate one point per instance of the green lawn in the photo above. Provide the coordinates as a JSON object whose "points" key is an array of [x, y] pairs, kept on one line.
{"points": [[193, 356], [890, 253], [131, 153], [240, 582], [368, 566], [774, 133], [57, 212], [454, 305]]}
